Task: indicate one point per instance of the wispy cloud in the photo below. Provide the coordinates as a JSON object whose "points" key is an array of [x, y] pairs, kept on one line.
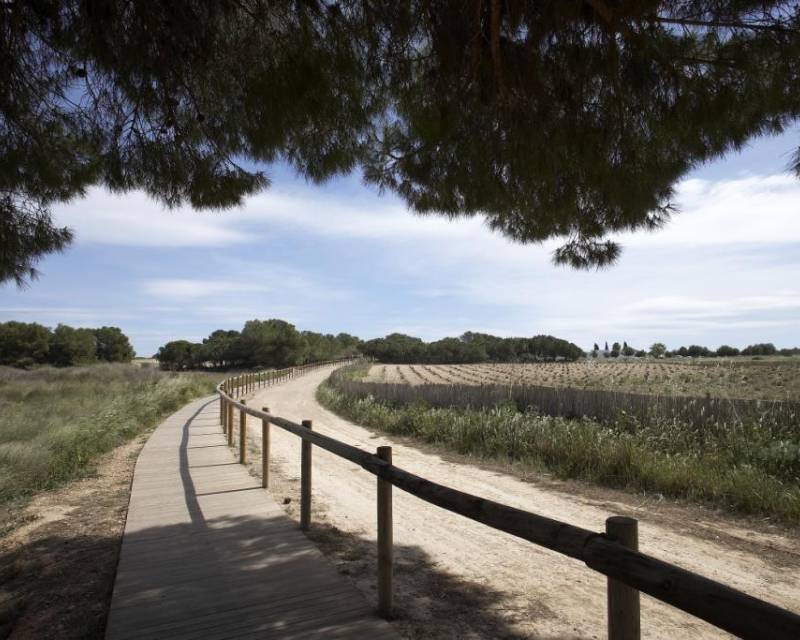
{"points": [[340, 258], [753, 209], [183, 289], [134, 219]]}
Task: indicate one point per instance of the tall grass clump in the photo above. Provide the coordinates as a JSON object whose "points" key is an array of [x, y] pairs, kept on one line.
{"points": [[754, 468], [55, 422]]}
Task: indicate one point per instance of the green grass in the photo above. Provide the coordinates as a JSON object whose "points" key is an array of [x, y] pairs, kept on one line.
{"points": [[752, 469], [55, 422]]}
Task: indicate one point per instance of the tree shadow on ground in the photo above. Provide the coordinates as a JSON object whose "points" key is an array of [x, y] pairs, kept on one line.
{"points": [[234, 563], [430, 602], [50, 590], [213, 573]]}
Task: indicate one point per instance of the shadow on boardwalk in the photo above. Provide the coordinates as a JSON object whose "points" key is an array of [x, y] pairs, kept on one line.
{"points": [[64, 600], [220, 559]]}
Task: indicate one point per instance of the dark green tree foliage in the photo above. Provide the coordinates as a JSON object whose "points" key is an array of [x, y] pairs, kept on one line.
{"points": [[396, 347], [726, 351], [113, 345], [761, 349], [24, 344], [470, 347], [221, 348], [658, 350], [496, 349], [261, 343], [179, 355], [455, 351], [69, 347], [275, 343], [320, 346], [556, 118], [627, 350]]}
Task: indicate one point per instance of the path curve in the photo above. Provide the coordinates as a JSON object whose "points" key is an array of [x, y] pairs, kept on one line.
{"points": [[208, 554], [498, 585]]}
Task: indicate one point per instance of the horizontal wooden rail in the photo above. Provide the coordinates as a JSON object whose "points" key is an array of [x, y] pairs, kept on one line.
{"points": [[714, 602]]}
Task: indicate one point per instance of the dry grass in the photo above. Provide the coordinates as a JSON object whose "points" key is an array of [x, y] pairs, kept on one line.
{"points": [[55, 422], [752, 467]]}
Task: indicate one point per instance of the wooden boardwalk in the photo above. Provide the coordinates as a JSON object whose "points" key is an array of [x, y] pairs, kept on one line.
{"points": [[209, 554]]}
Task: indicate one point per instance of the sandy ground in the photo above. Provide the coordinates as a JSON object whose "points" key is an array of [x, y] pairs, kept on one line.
{"points": [[58, 554], [455, 578]]}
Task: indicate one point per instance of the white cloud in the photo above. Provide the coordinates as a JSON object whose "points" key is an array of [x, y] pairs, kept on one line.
{"points": [[53, 315], [133, 219], [724, 269], [182, 289], [251, 290], [753, 209]]}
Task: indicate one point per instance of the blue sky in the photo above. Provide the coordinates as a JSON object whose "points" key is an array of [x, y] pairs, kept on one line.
{"points": [[339, 257]]}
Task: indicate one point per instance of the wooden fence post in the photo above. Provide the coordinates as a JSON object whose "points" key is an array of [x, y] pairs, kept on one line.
{"points": [[221, 409], [230, 424], [623, 601], [242, 435], [385, 540], [305, 480], [265, 450]]}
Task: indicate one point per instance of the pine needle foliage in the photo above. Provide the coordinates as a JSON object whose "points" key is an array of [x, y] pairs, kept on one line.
{"points": [[569, 119]]}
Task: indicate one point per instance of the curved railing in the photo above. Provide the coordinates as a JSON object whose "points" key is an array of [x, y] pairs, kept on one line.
{"points": [[613, 552]]}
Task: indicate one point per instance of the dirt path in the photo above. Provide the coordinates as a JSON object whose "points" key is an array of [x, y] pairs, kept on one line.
{"points": [[458, 579]]}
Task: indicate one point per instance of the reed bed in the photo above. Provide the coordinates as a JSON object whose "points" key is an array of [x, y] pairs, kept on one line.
{"points": [[750, 467], [576, 403]]}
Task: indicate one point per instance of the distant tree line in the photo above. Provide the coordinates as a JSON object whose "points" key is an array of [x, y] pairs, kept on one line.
{"points": [[26, 344], [760, 349], [276, 343], [659, 350], [469, 348], [261, 343]]}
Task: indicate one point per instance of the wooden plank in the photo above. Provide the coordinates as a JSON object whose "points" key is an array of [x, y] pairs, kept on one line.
{"points": [[207, 553]]}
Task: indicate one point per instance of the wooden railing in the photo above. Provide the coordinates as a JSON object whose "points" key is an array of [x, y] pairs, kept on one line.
{"points": [[613, 553]]}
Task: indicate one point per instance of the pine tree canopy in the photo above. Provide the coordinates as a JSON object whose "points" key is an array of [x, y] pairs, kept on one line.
{"points": [[569, 119]]}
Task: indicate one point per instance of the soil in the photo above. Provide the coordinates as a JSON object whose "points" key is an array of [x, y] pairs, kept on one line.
{"points": [[455, 578], [59, 552]]}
